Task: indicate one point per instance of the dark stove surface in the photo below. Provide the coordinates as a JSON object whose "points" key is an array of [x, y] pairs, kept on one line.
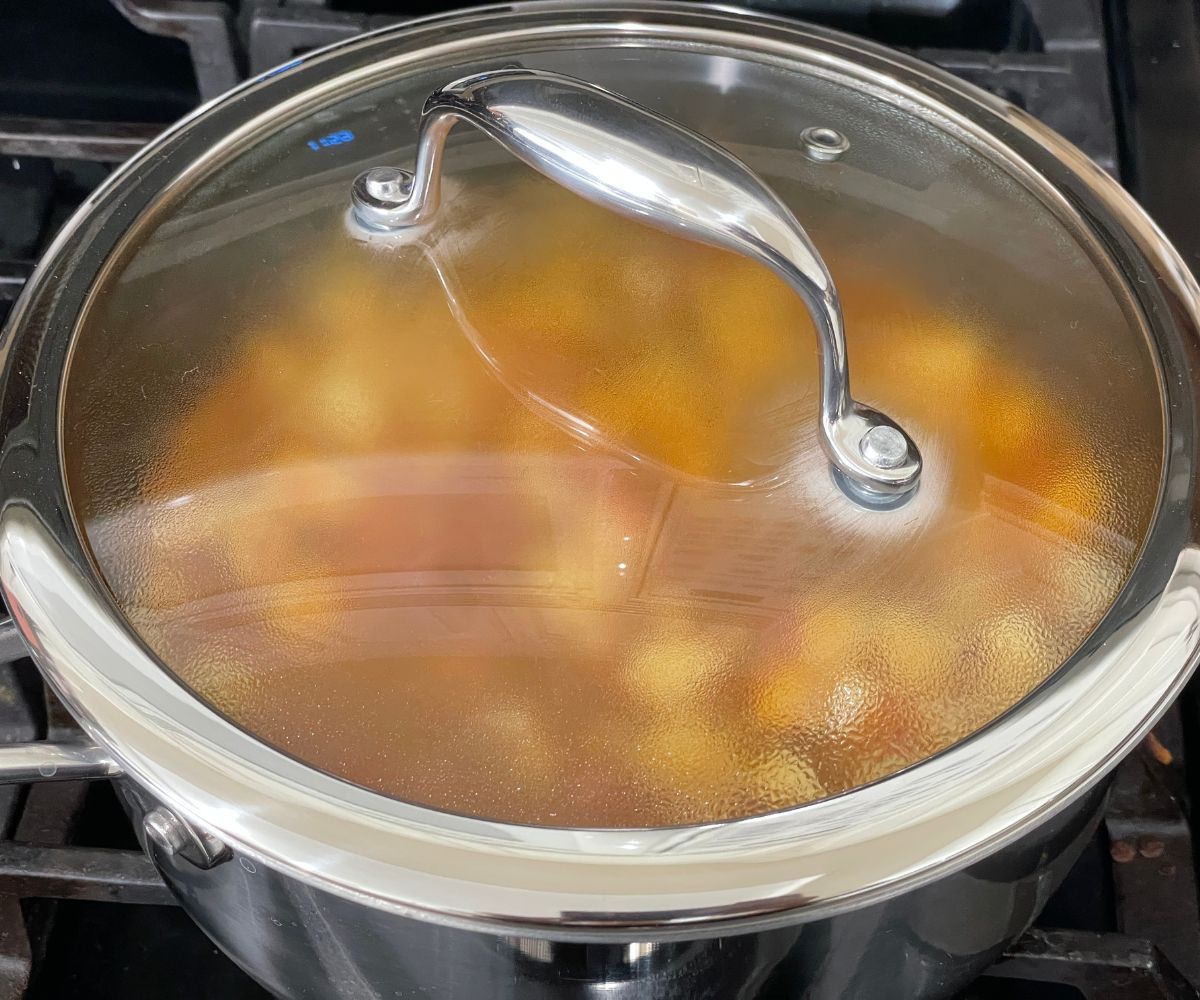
{"points": [[84, 83]]}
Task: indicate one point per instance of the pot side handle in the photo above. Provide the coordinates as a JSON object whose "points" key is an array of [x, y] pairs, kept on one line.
{"points": [[68, 760], [82, 760]]}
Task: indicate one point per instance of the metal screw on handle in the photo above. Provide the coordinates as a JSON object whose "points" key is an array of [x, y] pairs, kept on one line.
{"points": [[635, 162], [176, 838]]}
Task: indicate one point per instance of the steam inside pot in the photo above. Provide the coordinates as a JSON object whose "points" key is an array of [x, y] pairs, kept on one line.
{"points": [[527, 518]]}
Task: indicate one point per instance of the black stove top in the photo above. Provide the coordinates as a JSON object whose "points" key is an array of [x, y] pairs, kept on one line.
{"points": [[84, 83]]}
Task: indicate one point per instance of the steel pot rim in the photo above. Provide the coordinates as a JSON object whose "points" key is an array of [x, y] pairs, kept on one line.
{"points": [[806, 863]]}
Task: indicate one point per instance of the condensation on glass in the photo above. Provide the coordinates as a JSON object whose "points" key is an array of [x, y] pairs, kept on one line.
{"points": [[458, 518]]}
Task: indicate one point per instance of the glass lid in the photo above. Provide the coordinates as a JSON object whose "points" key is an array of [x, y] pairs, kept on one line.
{"points": [[543, 502]]}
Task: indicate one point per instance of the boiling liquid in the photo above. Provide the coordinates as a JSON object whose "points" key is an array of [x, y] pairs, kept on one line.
{"points": [[467, 521]]}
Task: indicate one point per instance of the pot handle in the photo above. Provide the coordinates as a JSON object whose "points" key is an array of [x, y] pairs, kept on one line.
{"points": [[71, 760], [45, 760], [654, 170]]}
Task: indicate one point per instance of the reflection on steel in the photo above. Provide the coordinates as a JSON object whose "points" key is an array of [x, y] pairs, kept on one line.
{"points": [[108, 142], [1099, 966], [207, 26]]}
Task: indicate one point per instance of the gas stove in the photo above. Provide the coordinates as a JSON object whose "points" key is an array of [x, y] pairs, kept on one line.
{"points": [[83, 85]]}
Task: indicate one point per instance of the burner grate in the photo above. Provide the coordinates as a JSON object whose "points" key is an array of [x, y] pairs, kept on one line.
{"points": [[1093, 966]]}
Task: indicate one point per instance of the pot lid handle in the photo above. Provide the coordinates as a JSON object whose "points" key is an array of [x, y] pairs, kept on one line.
{"points": [[654, 170]]}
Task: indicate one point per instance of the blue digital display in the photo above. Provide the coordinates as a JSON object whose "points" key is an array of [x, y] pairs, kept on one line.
{"points": [[333, 139]]}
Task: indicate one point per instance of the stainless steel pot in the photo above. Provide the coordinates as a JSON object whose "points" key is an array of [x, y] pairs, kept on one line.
{"points": [[907, 886]]}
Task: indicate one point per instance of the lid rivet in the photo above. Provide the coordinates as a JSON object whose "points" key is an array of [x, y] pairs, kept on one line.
{"points": [[823, 143], [175, 837], [386, 185], [884, 447], [166, 830]]}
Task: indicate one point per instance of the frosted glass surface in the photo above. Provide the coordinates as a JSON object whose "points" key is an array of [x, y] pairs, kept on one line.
{"points": [[527, 518]]}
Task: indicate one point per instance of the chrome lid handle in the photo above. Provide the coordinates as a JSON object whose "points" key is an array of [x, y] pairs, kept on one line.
{"points": [[651, 169]]}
